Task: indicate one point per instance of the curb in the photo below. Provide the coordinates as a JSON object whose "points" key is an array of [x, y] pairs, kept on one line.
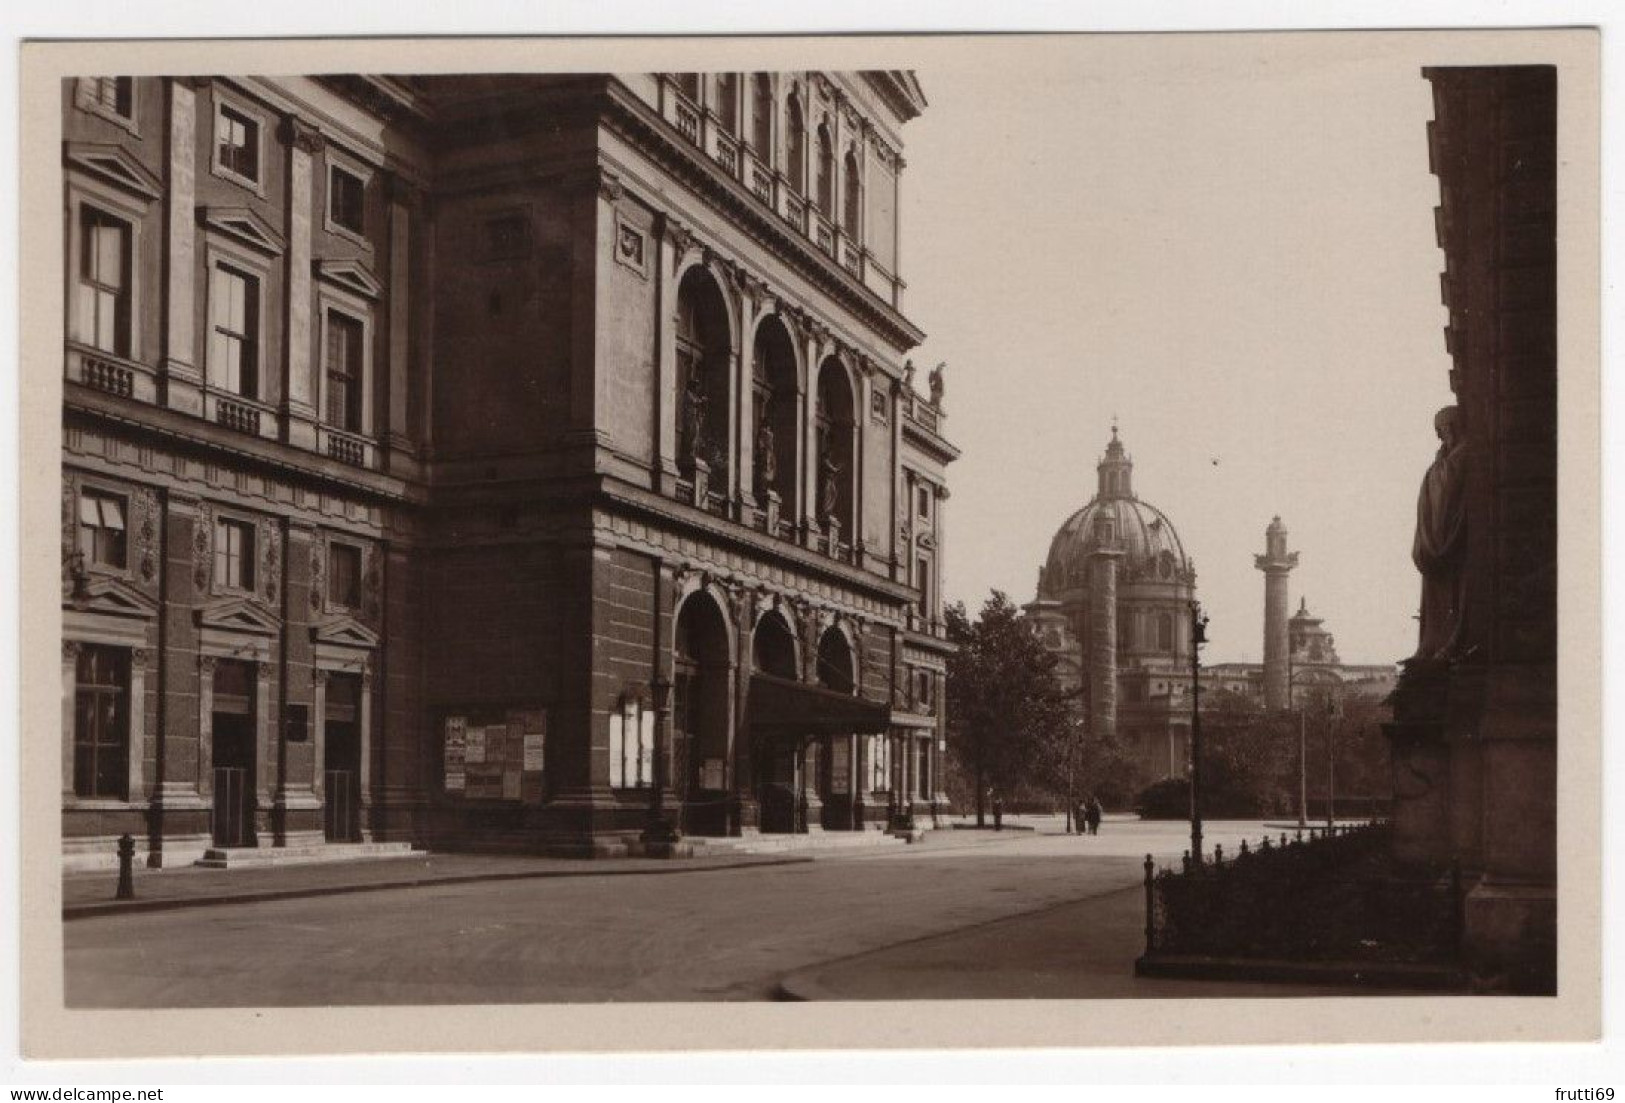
{"points": [[175, 903]]}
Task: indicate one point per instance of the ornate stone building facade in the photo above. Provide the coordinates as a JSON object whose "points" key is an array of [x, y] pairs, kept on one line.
{"points": [[458, 459]]}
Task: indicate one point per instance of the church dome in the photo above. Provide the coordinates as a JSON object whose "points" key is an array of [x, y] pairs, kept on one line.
{"points": [[1114, 516]]}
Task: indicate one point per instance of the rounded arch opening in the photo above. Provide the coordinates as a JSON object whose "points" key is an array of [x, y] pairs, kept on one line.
{"points": [[852, 208], [826, 172], [773, 647], [796, 142], [703, 346], [774, 383], [700, 711], [837, 459], [837, 668]]}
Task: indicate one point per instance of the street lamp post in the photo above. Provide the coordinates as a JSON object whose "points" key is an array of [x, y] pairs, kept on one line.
{"points": [[660, 832], [1198, 638]]}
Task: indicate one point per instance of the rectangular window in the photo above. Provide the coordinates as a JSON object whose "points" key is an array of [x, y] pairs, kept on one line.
{"points": [[346, 199], [234, 554], [344, 576], [924, 505], [922, 582], [237, 143], [234, 331], [101, 723], [116, 94], [102, 309], [101, 528], [343, 367]]}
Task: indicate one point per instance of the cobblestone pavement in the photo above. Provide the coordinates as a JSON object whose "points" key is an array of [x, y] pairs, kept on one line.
{"points": [[720, 935]]}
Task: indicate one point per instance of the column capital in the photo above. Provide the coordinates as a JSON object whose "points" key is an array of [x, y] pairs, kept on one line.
{"points": [[303, 135]]}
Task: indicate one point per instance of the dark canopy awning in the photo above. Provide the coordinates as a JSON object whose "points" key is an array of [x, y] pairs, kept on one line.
{"points": [[782, 707]]}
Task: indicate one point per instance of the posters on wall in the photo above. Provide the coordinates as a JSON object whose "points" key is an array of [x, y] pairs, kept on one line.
{"points": [[496, 754]]}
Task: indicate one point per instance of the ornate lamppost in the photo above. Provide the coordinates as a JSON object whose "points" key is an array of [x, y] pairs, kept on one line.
{"points": [[1198, 639], [660, 832]]}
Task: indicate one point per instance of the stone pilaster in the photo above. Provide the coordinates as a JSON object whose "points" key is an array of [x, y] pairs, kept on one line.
{"points": [[299, 387], [183, 374], [1102, 642]]}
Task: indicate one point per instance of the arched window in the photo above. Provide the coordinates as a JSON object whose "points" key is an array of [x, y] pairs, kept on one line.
{"points": [[1165, 632], [835, 454], [853, 207], [762, 116], [774, 384], [702, 374], [728, 102], [796, 144], [826, 173]]}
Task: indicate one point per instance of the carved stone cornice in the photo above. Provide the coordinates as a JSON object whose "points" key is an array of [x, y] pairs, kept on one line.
{"points": [[303, 135]]}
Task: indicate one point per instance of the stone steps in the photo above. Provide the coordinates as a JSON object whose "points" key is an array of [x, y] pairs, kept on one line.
{"points": [[250, 857]]}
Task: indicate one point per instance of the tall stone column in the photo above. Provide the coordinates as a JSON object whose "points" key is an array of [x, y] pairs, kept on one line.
{"points": [[1102, 642], [1276, 563]]}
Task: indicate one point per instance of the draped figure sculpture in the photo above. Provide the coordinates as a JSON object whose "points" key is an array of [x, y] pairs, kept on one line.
{"points": [[1441, 540]]}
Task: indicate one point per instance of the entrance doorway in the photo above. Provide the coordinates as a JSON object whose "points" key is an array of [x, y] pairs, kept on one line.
{"points": [[700, 716], [341, 759], [232, 752]]}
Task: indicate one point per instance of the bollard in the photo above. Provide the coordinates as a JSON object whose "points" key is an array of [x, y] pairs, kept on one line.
{"points": [[1150, 905], [126, 868]]}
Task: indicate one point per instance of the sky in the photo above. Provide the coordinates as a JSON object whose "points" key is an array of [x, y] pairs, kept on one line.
{"points": [[1227, 247]]}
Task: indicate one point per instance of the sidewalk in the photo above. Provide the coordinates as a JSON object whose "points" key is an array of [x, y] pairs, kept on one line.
{"points": [[91, 894], [1080, 950]]}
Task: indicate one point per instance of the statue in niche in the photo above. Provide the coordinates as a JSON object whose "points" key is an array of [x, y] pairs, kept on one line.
{"points": [[693, 419], [908, 376], [1441, 540], [935, 380], [829, 473], [767, 460]]}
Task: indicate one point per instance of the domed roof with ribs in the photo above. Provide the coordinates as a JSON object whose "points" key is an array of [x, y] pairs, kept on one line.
{"points": [[1150, 545]]}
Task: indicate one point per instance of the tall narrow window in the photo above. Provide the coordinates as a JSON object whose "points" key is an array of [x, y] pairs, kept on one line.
{"points": [[344, 576], [762, 116], [826, 173], [101, 723], [102, 309], [344, 337], [853, 205], [922, 582], [234, 554], [728, 102], [234, 301], [101, 528], [1165, 632], [237, 143], [346, 199], [689, 85], [796, 144]]}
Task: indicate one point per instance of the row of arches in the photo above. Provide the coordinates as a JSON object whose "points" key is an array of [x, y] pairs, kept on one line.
{"points": [[706, 756], [786, 459], [729, 102]]}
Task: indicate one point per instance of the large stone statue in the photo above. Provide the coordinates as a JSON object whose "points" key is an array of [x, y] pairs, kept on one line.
{"points": [[693, 419], [1441, 540], [767, 460], [828, 485], [935, 380]]}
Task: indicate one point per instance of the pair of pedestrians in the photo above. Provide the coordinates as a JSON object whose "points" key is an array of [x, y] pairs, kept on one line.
{"points": [[1088, 815]]}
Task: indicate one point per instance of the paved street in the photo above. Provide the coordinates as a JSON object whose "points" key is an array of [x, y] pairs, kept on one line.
{"points": [[728, 934]]}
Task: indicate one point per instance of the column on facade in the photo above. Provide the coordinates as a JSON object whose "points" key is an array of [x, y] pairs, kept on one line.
{"points": [[668, 256], [745, 817], [182, 374], [812, 350], [901, 566], [397, 433], [298, 387], [301, 781], [742, 370], [183, 780]]}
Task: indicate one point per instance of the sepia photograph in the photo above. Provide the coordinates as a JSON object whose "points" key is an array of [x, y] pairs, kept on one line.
{"points": [[1044, 518]]}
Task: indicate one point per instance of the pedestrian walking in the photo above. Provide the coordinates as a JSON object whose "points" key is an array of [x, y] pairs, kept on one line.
{"points": [[998, 812], [1095, 812]]}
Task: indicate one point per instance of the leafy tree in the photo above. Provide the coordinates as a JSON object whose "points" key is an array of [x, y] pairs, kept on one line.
{"points": [[1008, 719]]}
